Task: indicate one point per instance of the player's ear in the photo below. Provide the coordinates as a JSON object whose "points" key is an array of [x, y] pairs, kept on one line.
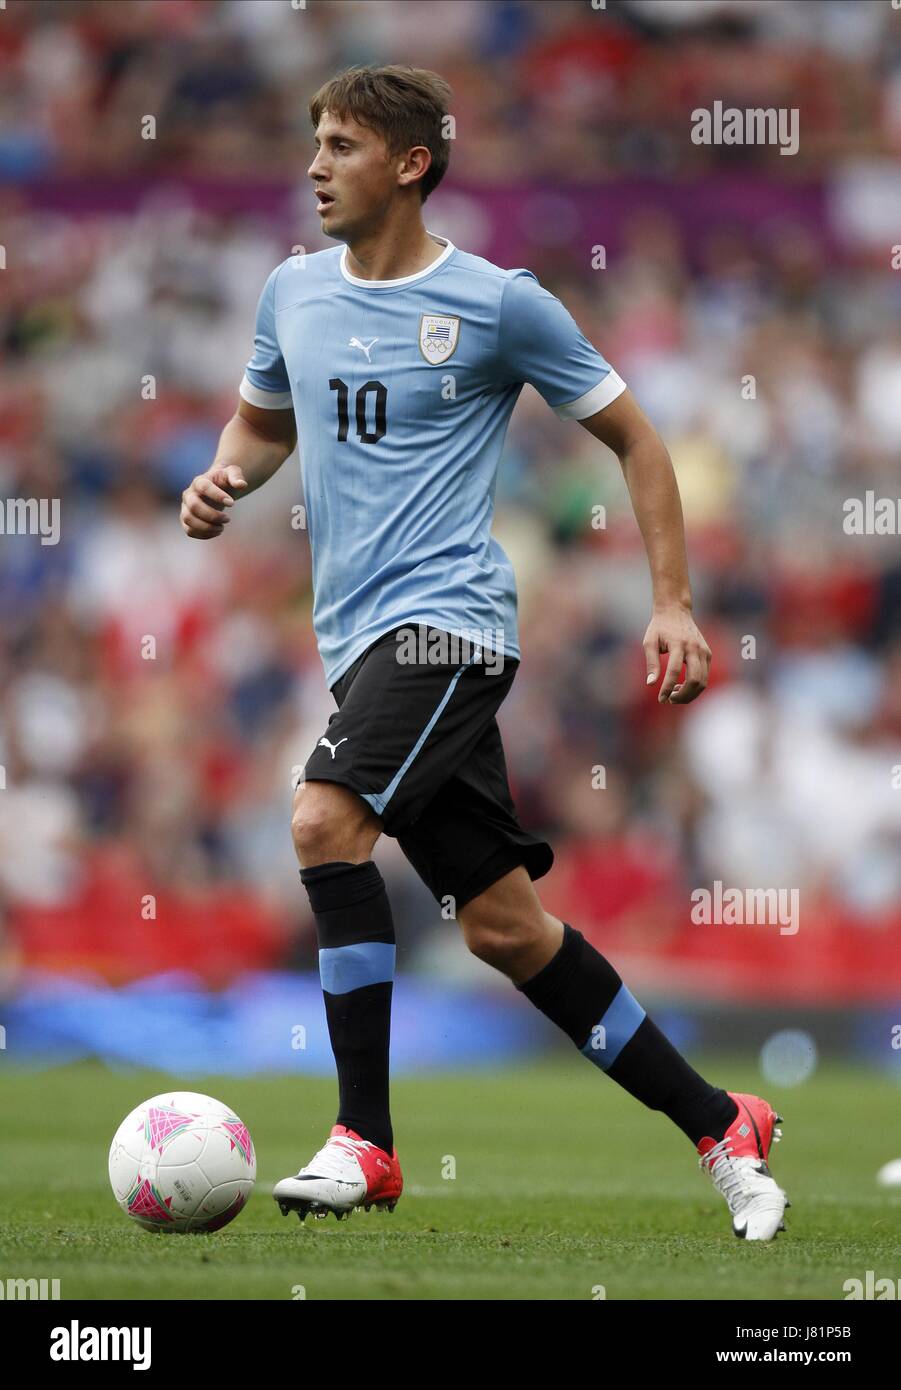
{"points": [[417, 163]]}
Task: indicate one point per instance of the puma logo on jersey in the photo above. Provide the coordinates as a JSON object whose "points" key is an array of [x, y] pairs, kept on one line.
{"points": [[332, 747], [364, 347]]}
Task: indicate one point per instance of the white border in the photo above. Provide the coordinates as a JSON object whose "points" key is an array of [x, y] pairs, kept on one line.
{"points": [[594, 400], [266, 400]]}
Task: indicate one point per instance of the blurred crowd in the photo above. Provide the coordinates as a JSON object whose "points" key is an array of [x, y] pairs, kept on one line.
{"points": [[157, 695], [542, 87]]}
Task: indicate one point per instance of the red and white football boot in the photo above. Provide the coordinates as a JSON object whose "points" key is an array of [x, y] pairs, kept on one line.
{"points": [[737, 1164], [348, 1172]]}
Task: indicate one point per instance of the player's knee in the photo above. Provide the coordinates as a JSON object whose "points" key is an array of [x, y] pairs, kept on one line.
{"points": [[330, 823], [500, 944], [506, 926], [310, 829]]}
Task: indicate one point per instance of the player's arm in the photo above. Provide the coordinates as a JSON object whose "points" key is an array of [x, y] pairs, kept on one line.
{"points": [[252, 447], [624, 428]]}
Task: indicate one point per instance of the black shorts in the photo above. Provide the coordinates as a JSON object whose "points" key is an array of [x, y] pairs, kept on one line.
{"points": [[420, 744]]}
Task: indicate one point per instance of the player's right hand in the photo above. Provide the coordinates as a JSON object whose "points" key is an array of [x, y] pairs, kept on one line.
{"points": [[205, 504]]}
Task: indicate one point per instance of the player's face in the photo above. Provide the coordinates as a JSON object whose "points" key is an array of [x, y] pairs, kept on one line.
{"points": [[353, 177]]}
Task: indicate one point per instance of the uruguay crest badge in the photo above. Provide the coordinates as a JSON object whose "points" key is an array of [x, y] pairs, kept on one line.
{"points": [[438, 336]]}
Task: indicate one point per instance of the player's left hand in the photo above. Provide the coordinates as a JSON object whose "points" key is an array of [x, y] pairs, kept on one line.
{"points": [[673, 631]]}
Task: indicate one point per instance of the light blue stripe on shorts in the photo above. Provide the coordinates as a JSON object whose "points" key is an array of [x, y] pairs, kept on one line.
{"points": [[379, 800]]}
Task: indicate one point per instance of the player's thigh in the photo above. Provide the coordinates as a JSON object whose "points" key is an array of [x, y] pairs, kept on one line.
{"points": [[404, 728], [468, 837]]}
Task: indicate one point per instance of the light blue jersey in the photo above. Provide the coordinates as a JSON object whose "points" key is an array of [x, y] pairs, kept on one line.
{"points": [[403, 390]]}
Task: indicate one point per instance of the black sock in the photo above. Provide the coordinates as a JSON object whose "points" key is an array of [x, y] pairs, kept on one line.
{"points": [[581, 992], [356, 967]]}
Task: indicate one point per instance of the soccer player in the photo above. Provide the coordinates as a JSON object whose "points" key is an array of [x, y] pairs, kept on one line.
{"points": [[398, 359]]}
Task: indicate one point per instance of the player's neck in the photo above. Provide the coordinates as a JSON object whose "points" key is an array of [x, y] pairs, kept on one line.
{"points": [[392, 253]]}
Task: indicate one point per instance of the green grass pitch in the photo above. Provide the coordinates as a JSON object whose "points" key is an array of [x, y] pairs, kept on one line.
{"points": [[563, 1184]]}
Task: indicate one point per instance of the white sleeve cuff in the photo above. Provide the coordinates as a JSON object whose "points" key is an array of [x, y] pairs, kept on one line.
{"points": [[594, 400], [266, 400]]}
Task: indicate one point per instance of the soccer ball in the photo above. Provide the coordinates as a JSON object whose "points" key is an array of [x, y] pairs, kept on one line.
{"points": [[889, 1174], [182, 1162]]}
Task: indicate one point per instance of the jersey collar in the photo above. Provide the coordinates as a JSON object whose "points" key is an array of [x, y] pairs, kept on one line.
{"points": [[449, 248]]}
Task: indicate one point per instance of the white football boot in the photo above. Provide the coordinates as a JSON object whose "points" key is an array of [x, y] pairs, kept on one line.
{"points": [[346, 1173], [737, 1165]]}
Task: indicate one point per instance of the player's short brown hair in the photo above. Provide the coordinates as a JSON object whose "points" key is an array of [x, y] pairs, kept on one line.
{"points": [[403, 104]]}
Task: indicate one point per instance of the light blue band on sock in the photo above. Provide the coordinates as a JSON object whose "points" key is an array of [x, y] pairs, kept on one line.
{"points": [[343, 968], [621, 1021]]}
